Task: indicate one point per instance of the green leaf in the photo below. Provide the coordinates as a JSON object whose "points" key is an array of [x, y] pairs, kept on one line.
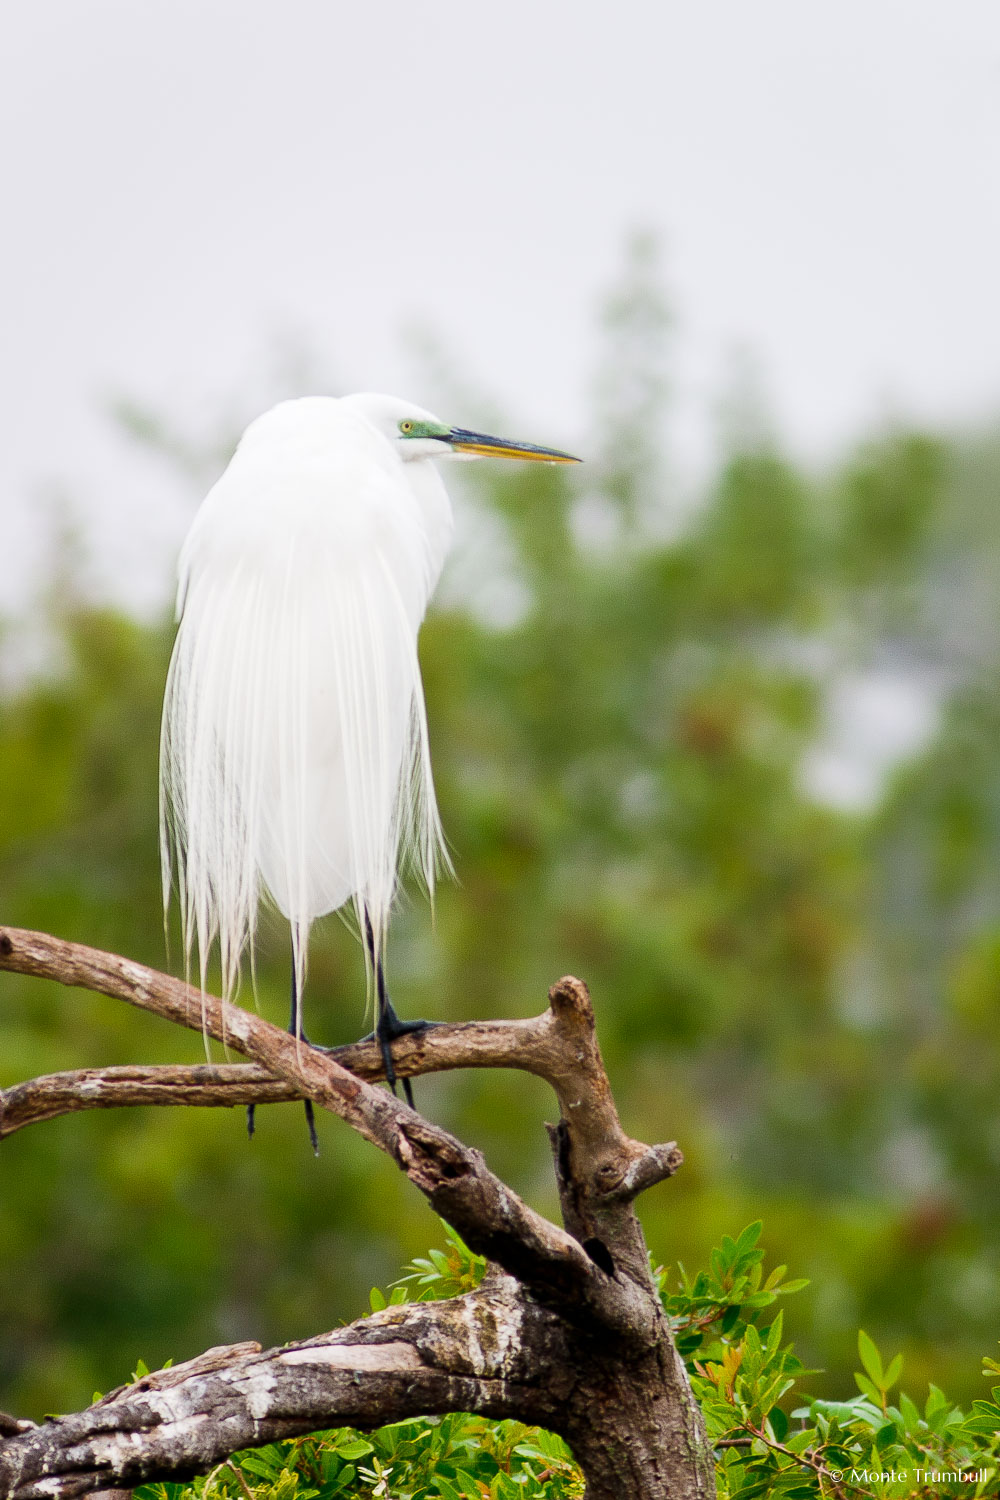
{"points": [[870, 1358], [986, 1426], [376, 1299], [504, 1488], [255, 1465], [845, 1412], [356, 1449], [749, 1237], [936, 1405], [730, 1318], [886, 1436], [867, 1388], [751, 1341], [893, 1373], [467, 1484], [910, 1414]]}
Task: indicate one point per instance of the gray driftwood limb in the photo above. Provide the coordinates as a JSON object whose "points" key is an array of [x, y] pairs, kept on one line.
{"points": [[567, 1331]]}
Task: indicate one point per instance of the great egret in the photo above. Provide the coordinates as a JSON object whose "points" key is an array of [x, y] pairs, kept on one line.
{"points": [[294, 756]]}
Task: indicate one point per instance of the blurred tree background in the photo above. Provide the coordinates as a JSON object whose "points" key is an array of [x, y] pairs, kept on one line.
{"points": [[734, 759]]}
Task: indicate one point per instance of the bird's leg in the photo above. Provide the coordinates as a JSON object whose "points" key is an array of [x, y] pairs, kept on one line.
{"points": [[387, 1024], [384, 1029], [295, 1029]]}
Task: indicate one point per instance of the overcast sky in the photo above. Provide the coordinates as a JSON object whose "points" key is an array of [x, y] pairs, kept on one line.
{"points": [[187, 179]]}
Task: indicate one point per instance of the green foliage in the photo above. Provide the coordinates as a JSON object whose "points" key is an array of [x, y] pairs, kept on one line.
{"points": [[626, 686], [726, 1297], [443, 1273], [770, 1437], [458, 1457], [768, 1443], [890, 495]]}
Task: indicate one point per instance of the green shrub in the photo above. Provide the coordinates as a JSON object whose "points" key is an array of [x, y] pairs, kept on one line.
{"points": [[771, 1438]]}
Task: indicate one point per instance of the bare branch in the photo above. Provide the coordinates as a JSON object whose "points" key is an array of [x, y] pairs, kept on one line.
{"points": [[485, 1352], [560, 1046], [460, 1187], [534, 1045], [658, 1163], [56, 1094]]}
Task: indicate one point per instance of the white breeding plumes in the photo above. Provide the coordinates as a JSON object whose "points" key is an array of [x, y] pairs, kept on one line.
{"points": [[294, 755]]}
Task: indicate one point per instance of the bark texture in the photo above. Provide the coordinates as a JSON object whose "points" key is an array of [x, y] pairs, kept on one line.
{"points": [[566, 1331]]}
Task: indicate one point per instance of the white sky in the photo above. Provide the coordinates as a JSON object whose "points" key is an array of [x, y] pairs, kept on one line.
{"points": [[185, 179]]}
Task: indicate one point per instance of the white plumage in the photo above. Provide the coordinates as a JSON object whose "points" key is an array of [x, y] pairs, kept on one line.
{"points": [[294, 755]]}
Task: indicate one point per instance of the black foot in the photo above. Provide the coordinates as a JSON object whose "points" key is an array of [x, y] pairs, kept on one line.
{"points": [[388, 1028], [388, 1025]]}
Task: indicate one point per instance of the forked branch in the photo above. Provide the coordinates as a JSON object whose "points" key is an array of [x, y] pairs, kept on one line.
{"points": [[559, 1045], [568, 1332]]}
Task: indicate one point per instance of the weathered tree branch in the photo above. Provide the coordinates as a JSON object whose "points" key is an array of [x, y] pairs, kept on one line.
{"points": [[228, 1085], [489, 1352], [480, 1353], [55, 1094], [556, 1266], [575, 1323], [559, 1045]]}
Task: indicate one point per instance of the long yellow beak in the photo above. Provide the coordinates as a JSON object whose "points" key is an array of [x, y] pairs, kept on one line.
{"points": [[493, 447]]}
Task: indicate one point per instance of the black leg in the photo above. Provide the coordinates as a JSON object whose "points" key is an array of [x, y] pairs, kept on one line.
{"points": [[387, 1023], [294, 1030]]}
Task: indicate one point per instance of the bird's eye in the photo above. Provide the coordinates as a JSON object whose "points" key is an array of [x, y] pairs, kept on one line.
{"points": [[406, 427]]}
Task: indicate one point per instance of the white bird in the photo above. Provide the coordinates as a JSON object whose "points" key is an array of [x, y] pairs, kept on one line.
{"points": [[294, 756]]}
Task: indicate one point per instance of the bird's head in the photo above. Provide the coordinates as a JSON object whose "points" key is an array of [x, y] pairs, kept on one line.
{"points": [[419, 434]]}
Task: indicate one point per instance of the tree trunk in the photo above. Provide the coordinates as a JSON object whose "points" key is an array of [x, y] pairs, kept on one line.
{"points": [[631, 1429]]}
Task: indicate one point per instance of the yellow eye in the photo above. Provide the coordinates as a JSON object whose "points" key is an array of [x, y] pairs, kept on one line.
{"points": [[406, 426]]}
